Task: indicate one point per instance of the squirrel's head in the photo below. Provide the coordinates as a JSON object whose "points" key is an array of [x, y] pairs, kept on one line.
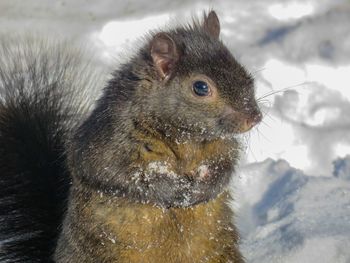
{"points": [[195, 87]]}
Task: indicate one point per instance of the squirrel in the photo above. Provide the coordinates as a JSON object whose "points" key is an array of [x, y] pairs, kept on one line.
{"points": [[143, 177]]}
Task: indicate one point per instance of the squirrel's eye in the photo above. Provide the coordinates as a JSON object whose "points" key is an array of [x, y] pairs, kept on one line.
{"points": [[201, 88]]}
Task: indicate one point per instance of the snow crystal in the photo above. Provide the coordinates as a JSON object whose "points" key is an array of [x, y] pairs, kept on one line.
{"points": [[160, 168], [203, 171]]}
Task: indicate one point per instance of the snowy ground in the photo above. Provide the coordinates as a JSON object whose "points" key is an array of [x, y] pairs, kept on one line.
{"points": [[293, 189]]}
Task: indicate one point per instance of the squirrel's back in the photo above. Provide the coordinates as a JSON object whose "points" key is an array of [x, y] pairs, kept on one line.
{"points": [[39, 82]]}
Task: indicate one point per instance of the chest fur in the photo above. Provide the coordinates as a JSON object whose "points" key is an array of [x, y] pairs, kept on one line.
{"points": [[183, 158], [129, 232]]}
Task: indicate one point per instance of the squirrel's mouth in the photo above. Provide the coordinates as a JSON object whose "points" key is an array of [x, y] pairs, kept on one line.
{"points": [[236, 122]]}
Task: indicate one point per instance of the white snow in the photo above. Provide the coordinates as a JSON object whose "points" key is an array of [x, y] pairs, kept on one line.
{"points": [[160, 168], [287, 216], [292, 191], [290, 10]]}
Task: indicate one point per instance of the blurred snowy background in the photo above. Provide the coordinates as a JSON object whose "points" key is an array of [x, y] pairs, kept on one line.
{"points": [[292, 191]]}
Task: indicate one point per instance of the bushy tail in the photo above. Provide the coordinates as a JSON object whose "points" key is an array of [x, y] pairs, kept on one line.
{"points": [[41, 86]]}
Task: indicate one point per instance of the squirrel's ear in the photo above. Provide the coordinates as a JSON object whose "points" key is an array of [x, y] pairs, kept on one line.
{"points": [[164, 54], [211, 24]]}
